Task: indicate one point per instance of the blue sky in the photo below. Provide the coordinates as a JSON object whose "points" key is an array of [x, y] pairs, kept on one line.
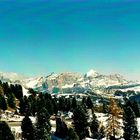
{"points": [[44, 36]]}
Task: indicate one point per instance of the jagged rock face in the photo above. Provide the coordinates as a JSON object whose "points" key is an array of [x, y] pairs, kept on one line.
{"points": [[70, 82], [74, 82], [104, 80], [64, 79]]}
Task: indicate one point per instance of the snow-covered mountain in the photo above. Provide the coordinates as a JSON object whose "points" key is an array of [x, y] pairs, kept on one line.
{"points": [[69, 82], [11, 77], [74, 82]]}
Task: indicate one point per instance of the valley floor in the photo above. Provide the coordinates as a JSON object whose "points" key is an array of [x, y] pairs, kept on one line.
{"points": [[15, 123]]}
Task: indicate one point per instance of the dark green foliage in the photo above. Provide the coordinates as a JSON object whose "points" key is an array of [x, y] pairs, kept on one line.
{"points": [[32, 92], [83, 103], [27, 128], [17, 91], [48, 96], [45, 101], [40, 102], [32, 104], [33, 108], [11, 101], [55, 106], [42, 116], [89, 103], [22, 106], [67, 105], [134, 105], [27, 106], [61, 129], [0, 83], [31, 98], [13, 89], [74, 103], [49, 106], [43, 126], [80, 117], [105, 108], [94, 126], [136, 109], [42, 134], [130, 124], [5, 132], [6, 88], [61, 103], [72, 135], [3, 104]]}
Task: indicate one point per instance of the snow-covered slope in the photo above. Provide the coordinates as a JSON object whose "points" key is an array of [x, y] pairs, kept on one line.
{"points": [[92, 73], [69, 82], [74, 82], [11, 77]]}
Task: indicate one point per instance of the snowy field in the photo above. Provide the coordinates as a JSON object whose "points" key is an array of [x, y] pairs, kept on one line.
{"points": [[15, 123]]}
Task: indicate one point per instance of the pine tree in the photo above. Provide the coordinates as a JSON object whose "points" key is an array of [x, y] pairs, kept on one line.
{"points": [[113, 124], [136, 109], [22, 106], [0, 83], [67, 104], [49, 106], [61, 129], [27, 128], [32, 92], [27, 107], [94, 126], [11, 101], [55, 106], [33, 104], [72, 135], [6, 88], [3, 103], [74, 103], [40, 102], [130, 124], [83, 103], [17, 91], [61, 104], [80, 117], [43, 126], [5, 131], [89, 103]]}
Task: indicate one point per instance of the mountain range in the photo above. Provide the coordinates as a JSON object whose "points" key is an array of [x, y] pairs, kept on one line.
{"points": [[69, 82]]}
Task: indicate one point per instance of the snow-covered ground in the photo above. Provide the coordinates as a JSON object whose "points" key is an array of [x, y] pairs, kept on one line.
{"points": [[25, 91], [15, 123]]}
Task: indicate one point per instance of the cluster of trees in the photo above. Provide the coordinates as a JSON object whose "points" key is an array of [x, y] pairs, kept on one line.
{"points": [[84, 124], [9, 94], [81, 125], [128, 112]]}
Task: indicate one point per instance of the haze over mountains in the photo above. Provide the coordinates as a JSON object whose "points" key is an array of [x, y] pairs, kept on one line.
{"points": [[69, 82]]}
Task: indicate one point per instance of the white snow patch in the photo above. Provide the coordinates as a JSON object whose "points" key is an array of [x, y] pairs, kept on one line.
{"points": [[92, 73]]}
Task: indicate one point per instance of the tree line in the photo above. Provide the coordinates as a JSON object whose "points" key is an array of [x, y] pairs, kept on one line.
{"points": [[84, 124]]}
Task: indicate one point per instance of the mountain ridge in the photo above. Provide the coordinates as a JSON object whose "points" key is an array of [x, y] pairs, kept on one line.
{"points": [[69, 81]]}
